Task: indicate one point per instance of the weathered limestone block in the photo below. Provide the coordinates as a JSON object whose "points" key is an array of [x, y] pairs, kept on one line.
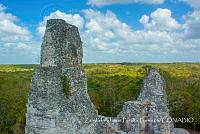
{"points": [[180, 131], [149, 114], [154, 89], [62, 45]]}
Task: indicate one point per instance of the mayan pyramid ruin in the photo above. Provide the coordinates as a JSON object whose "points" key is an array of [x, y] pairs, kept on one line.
{"points": [[59, 103]]}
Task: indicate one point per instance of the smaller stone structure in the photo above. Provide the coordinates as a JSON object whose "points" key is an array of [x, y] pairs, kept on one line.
{"points": [[149, 114]]}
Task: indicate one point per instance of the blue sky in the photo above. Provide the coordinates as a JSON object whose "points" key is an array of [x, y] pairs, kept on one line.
{"points": [[111, 30]]}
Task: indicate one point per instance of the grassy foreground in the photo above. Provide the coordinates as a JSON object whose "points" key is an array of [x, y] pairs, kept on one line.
{"points": [[109, 86]]}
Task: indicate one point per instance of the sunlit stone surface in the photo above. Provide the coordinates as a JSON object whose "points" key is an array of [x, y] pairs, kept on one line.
{"points": [[149, 114]]}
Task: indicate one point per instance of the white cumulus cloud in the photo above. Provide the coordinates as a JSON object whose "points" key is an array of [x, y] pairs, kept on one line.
{"points": [[9, 30], [105, 32], [192, 25], [105, 35], [161, 19], [16, 45], [20, 52], [193, 3]]}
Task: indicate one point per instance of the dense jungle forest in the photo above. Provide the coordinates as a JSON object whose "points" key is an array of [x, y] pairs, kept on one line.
{"points": [[109, 86]]}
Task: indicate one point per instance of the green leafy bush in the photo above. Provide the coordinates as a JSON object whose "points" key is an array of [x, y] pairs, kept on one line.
{"points": [[66, 86]]}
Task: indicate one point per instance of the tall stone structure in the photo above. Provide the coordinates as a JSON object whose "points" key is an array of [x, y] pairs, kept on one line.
{"points": [[49, 110], [59, 103]]}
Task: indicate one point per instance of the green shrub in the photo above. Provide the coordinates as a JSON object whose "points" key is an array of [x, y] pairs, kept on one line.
{"points": [[66, 86]]}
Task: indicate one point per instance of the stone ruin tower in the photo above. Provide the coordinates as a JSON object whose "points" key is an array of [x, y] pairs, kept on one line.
{"points": [[62, 45], [149, 114], [51, 109], [59, 103]]}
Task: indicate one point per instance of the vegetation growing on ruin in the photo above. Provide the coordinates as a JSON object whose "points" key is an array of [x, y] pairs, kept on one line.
{"points": [[66, 86], [109, 86]]}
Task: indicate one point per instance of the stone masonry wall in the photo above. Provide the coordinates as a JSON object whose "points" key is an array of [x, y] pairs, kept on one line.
{"points": [[149, 114], [62, 45]]}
